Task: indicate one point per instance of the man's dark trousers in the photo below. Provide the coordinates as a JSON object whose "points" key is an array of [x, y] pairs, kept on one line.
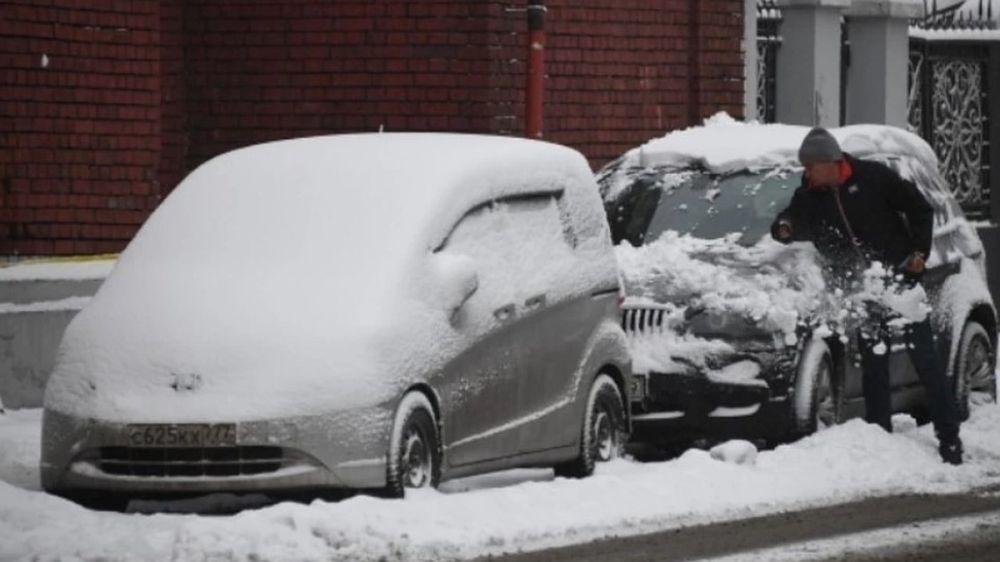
{"points": [[920, 345]]}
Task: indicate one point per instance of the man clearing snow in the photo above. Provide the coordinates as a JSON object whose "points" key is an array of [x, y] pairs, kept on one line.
{"points": [[857, 213]]}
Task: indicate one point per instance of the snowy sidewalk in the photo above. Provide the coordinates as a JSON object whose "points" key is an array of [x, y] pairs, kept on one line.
{"points": [[506, 512]]}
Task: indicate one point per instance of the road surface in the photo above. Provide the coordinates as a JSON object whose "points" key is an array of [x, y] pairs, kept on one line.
{"points": [[905, 528]]}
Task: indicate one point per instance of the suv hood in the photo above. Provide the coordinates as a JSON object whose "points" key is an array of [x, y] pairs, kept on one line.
{"points": [[718, 286], [695, 302]]}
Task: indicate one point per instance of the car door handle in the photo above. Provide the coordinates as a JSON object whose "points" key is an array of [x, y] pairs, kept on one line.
{"points": [[505, 313], [537, 301]]}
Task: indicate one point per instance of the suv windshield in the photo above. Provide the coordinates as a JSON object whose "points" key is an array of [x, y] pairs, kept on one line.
{"points": [[702, 204]]}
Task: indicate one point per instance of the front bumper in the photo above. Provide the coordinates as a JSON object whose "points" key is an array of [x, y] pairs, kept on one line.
{"points": [[681, 407], [343, 450]]}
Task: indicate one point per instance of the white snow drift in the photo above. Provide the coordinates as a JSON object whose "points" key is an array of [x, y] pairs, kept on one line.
{"points": [[530, 511]]}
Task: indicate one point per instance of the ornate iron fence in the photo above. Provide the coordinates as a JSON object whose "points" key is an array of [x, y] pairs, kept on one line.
{"points": [[768, 43], [949, 108], [971, 14], [949, 99]]}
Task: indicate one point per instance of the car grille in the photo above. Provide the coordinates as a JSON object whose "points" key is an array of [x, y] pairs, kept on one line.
{"points": [[643, 320], [190, 461]]}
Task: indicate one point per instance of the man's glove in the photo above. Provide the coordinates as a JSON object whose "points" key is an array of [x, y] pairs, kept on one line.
{"points": [[915, 264], [784, 231]]}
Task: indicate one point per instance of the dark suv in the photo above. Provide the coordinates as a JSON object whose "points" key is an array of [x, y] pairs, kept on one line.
{"points": [[725, 323]]}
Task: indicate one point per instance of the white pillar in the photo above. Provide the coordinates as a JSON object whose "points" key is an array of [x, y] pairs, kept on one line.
{"points": [[808, 73], [880, 46], [750, 60]]}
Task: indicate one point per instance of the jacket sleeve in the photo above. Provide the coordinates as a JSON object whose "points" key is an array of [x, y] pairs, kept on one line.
{"points": [[793, 217], [907, 199]]}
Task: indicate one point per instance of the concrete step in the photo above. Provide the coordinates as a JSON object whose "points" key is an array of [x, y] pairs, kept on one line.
{"points": [[38, 299]]}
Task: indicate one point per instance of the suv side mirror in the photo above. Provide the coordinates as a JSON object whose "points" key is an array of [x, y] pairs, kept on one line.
{"points": [[457, 280]]}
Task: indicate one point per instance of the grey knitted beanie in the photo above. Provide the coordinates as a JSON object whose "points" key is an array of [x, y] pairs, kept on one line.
{"points": [[819, 146]]}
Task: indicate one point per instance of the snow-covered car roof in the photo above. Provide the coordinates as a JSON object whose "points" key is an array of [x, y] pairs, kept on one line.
{"points": [[723, 144], [406, 180]]}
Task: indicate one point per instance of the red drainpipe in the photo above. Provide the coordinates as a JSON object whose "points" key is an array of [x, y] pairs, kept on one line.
{"points": [[536, 69]]}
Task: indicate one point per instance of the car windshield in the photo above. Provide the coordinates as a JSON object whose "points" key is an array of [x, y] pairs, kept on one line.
{"points": [[702, 204]]}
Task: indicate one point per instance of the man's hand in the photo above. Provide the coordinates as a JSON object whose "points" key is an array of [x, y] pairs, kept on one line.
{"points": [[915, 264], [784, 231]]}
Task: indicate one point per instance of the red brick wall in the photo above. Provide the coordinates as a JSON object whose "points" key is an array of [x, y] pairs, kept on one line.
{"points": [[262, 71], [623, 71], [79, 136], [138, 92]]}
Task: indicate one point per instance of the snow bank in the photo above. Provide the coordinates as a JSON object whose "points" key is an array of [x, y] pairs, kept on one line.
{"points": [[841, 464], [297, 277]]}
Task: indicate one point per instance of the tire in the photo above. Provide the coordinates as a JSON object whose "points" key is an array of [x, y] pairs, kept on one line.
{"points": [[604, 430], [815, 402], [414, 457], [975, 378]]}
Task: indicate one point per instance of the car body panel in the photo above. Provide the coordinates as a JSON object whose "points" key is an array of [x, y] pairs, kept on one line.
{"points": [[446, 319]]}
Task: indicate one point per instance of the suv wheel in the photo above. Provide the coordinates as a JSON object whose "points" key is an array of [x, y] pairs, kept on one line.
{"points": [[604, 429], [975, 380], [815, 403], [414, 448]]}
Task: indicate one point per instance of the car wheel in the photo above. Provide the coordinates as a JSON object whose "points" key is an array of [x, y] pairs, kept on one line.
{"points": [[975, 381], [604, 429], [815, 404], [414, 448]]}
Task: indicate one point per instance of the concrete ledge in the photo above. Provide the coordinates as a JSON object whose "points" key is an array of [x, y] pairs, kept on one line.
{"points": [[28, 344], [841, 4], [896, 9], [25, 292], [38, 298]]}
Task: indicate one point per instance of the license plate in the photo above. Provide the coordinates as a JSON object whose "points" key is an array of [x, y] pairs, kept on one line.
{"points": [[182, 435], [638, 389]]}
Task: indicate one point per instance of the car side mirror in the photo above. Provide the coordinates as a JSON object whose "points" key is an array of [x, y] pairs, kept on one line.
{"points": [[457, 280]]}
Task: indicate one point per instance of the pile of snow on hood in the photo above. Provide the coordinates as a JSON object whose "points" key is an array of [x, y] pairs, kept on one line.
{"points": [[774, 287]]}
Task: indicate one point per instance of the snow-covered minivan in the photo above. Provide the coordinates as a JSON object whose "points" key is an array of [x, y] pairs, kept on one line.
{"points": [[375, 311], [736, 335]]}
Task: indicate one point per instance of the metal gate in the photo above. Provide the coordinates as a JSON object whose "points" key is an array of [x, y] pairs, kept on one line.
{"points": [[949, 96]]}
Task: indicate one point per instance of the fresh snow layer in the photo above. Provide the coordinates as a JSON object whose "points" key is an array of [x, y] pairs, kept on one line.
{"points": [[57, 270], [300, 277], [776, 288], [505, 512], [69, 303], [772, 285], [724, 144]]}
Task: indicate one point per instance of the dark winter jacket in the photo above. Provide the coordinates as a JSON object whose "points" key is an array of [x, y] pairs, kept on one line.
{"points": [[888, 216]]}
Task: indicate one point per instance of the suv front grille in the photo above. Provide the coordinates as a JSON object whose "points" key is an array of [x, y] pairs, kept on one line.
{"points": [[190, 461], [643, 320]]}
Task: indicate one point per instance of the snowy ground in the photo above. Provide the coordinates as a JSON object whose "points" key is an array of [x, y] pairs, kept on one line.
{"points": [[504, 512]]}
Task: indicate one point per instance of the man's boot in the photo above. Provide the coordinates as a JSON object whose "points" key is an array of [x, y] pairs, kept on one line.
{"points": [[951, 450]]}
